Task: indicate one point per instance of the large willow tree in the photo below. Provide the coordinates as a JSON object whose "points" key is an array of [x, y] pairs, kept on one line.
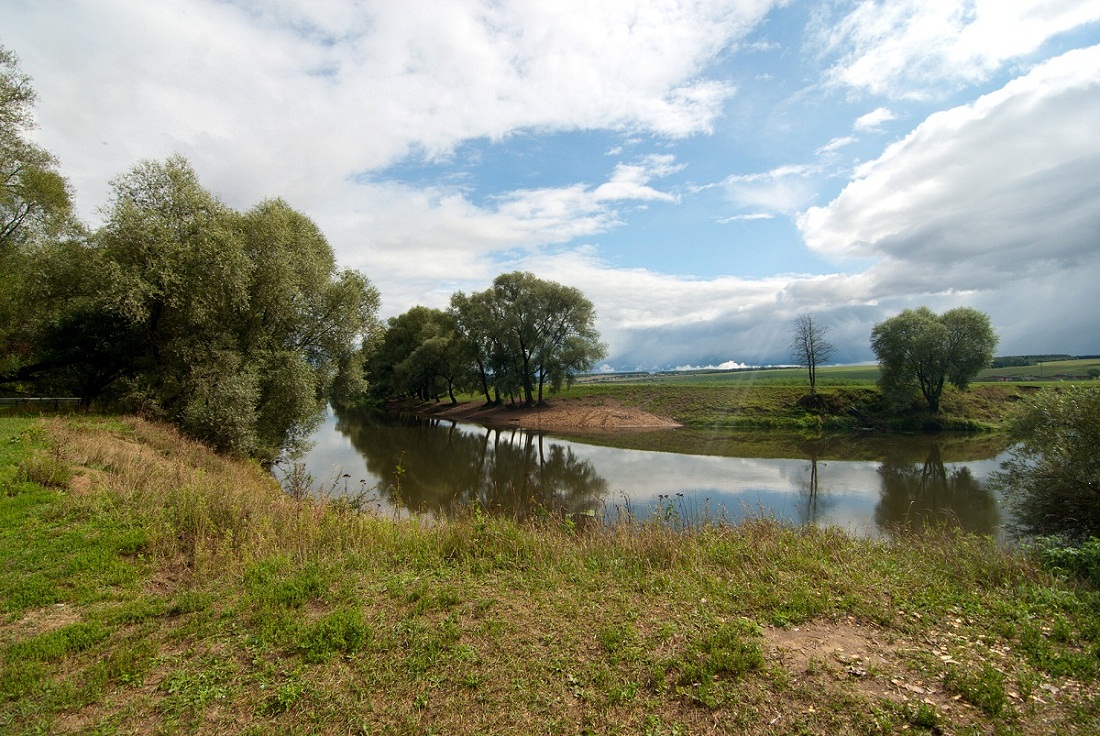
{"points": [[919, 349], [235, 325], [528, 333]]}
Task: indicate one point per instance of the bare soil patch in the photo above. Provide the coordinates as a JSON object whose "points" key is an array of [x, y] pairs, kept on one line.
{"points": [[40, 621], [588, 414]]}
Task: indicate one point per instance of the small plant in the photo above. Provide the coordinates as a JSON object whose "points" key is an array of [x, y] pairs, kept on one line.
{"points": [[617, 640], [46, 469], [283, 699], [1082, 561], [56, 644], [342, 631], [984, 689], [296, 481]]}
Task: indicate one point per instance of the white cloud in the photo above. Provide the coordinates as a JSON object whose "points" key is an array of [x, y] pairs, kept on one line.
{"points": [[1003, 175], [279, 97], [726, 365], [873, 120], [456, 242], [993, 204], [785, 189], [745, 218], [982, 202], [906, 48], [835, 145]]}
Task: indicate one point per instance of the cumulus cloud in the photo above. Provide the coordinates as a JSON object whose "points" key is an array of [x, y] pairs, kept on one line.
{"points": [[726, 365], [992, 204], [458, 242], [905, 48], [979, 193], [278, 96]]}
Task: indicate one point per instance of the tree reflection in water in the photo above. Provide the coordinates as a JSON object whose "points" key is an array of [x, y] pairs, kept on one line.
{"points": [[915, 495], [444, 472], [813, 505]]}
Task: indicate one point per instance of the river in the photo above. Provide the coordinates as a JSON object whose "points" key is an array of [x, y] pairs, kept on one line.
{"points": [[866, 485]]}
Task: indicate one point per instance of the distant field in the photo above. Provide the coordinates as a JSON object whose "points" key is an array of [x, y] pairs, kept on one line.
{"points": [[840, 375], [1078, 369], [834, 375]]}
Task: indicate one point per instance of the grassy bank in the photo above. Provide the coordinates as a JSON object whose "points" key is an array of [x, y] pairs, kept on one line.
{"points": [[714, 404], [151, 586]]}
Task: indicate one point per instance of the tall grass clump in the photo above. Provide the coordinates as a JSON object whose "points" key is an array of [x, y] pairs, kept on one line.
{"points": [[195, 505]]}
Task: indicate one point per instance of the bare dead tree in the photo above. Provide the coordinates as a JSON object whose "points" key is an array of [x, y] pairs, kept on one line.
{"points": [[809, 348]]}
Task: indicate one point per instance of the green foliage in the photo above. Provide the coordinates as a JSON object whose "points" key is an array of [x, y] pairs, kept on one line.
{"points": [[341, 632], [1082, 561], [920, 349], [525, 334], [723, 653], [420, 354], [984, 688], [356, 622], [519, 337], [1052, 478], [235, 326], [56, 644], [34, 198]]}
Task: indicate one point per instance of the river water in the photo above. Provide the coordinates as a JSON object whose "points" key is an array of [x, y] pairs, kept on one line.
{"points": [[866, 485]]}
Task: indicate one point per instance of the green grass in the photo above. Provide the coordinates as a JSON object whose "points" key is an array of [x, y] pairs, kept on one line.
{"points": [[239, 609], [729, 405]]}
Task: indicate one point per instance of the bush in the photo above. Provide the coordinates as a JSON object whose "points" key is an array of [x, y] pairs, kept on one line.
{"points": [[1081, 561], [1052, 478]]}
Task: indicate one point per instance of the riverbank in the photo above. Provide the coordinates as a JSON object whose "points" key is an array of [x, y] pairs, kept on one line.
{"points": [[583, 413], [152, 586], [610, 407]]}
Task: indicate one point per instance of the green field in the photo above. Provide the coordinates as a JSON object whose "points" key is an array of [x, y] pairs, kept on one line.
{"points": [[843, 375]]}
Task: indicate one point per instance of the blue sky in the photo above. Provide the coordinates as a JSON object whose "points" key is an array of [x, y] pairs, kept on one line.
{"points": [[705, 171]]}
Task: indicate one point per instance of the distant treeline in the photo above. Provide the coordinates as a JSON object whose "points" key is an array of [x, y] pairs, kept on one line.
{"points": [[1017, 361]]}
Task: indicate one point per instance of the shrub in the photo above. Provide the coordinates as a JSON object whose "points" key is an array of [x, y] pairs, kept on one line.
{"points": [[1052, 478]]}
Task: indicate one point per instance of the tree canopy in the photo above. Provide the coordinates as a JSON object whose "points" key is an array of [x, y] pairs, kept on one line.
{"points": [[34, 197], [235, 325], [518, 337], [920, 349]]}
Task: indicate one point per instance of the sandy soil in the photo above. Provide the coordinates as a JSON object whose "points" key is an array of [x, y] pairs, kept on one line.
{"points": [[587, 414]]}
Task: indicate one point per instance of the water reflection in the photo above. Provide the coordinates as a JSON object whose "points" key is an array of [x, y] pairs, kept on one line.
{"points": [[869, 486], [917, 494], [425, 465]]}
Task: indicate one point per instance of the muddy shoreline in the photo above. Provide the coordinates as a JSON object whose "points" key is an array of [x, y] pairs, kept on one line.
{"points": [[587, 414]]}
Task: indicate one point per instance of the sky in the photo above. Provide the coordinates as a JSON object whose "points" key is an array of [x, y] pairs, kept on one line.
{"points": [[705, 171]]}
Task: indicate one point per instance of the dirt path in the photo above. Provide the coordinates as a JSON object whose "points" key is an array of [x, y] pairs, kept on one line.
{"points": [[584, 414]]}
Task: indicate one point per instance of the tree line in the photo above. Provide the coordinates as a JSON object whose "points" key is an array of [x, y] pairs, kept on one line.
{"points": [[516, 339]]}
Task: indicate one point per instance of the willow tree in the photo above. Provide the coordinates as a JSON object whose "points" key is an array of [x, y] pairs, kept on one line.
{"points": [[547, 327], [35, 215], [919, 349], [420, 354], [34, 197], [236, 326]]}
